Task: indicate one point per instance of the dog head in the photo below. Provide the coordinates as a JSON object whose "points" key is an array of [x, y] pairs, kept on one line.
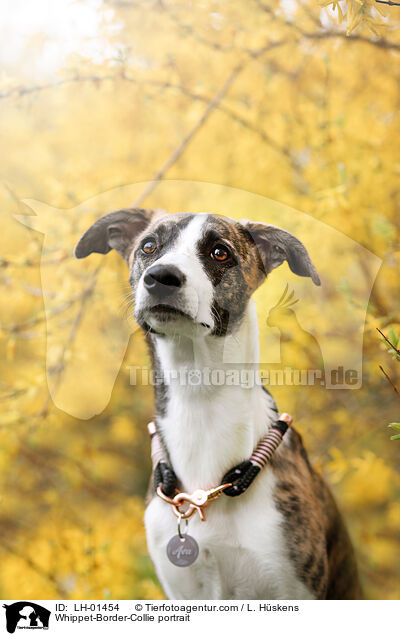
{"points": [[193, 274]]}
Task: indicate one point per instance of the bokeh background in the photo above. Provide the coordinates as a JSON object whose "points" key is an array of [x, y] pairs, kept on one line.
{"points": [[104, 104]]}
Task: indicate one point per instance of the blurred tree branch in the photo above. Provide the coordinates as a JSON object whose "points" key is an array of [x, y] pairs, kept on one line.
{"points": [[19, 91], [59, 368], [389, 2], [381, 43], [187, 139]]}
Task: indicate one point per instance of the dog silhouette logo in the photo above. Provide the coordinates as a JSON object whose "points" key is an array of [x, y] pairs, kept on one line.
{"points": [[26, 615]]}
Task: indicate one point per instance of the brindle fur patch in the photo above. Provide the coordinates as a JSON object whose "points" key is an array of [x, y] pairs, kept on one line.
{"points": [[316, 537], [235, 280]]}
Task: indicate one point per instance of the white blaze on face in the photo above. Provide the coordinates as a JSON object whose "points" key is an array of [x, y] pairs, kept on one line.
{"points": [[197, 291]]}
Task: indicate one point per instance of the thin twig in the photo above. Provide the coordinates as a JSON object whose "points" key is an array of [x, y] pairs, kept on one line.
{"points": [[389, 379], [20, 91], [381, 43], [388, 341], [389, 2]]}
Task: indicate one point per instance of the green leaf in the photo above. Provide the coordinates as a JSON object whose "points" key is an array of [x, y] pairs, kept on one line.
{"points": [[395, 425], [395, 436], [393, 336]]}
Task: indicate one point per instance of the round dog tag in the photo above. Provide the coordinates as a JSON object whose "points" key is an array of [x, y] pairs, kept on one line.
{"points": [[182, 551]]}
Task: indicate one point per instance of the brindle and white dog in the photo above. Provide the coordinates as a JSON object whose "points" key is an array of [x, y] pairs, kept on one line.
{"points": [[193, 276]]}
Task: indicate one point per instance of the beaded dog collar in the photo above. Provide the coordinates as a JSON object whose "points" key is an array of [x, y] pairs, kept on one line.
{"points": [[234, 483], [182, 549]]}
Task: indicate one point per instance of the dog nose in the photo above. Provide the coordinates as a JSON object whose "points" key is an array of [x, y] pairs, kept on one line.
{"points": [[163, 280]]}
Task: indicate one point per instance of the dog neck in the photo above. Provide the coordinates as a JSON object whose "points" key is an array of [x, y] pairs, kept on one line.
{"points": [[211, 411]]}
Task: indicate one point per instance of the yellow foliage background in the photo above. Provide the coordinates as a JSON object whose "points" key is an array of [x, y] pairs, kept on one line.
{"points": [[270, 98]]}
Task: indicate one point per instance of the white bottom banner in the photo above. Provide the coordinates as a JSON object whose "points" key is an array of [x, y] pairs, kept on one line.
{"points": [[124, 617]]}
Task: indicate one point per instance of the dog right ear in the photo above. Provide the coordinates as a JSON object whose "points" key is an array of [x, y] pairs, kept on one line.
{"points": [[116, 230]]}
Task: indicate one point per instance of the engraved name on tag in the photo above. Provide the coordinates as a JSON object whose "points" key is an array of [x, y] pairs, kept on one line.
{"points": [[182, 551]]}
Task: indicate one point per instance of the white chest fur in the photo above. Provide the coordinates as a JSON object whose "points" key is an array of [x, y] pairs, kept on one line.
{"points": [[242, 550], [207, 431]]}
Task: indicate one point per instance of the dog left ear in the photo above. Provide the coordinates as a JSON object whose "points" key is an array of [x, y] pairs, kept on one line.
{"points": [[276, 246], [116, 230]]}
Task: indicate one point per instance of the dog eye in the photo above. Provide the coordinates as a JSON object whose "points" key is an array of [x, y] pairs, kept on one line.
{"points": [[220, 253], [149, 247]]}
